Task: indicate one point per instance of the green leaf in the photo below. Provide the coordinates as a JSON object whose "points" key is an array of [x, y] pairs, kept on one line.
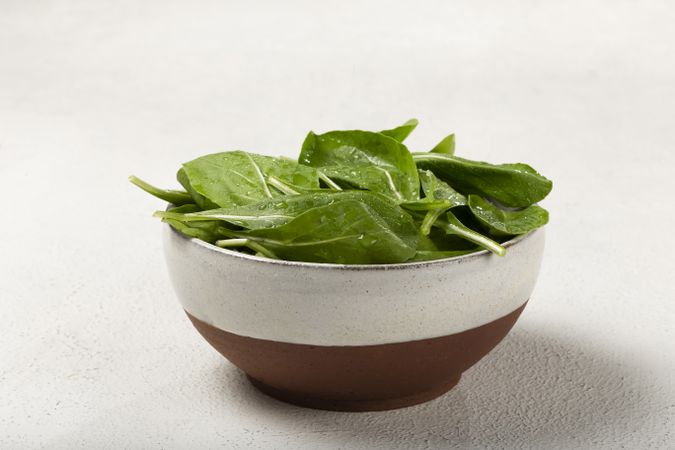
{"points": [[502, 222], [364, 160], [436, 189], [174, 197], [185, 209], [199, 199], [238, 178], [401, 132], [438, 245], [515, 185], [350, 231], [269, 212], [446, 146]]}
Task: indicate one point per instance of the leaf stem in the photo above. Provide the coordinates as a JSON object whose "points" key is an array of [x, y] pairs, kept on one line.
{"points": [[179, 216], [330, 183], [423, 205], [262, 250], [454, 226], [258, 171], [177, 198], [240, 242], [227, 243], [281, 186], [429, 220]]}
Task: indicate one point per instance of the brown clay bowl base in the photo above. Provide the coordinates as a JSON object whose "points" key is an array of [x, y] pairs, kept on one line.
{"points": [[358, 378]]}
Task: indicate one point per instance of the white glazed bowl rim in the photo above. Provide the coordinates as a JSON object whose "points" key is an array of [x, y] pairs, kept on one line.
{"points": [[333, 266]]}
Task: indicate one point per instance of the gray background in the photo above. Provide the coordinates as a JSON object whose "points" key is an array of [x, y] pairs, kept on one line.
{"points": [[95, 351]]}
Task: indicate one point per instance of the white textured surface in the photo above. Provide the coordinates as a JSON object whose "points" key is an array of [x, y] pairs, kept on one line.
{"points": [[323, 305], [95, 350]]}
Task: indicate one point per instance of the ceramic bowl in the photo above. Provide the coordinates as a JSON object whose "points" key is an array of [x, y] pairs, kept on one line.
{"points": [[352, 337]]}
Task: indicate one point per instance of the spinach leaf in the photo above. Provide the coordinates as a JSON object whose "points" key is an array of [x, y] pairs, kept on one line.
{"points": [[363, 160], [266, 213], [350, 231], [185, 209], [446, 146], [401, 132], [436, 189], [273, 212], [174, 197], [439, 240], [238, 178], [502, 222], [199, 199], [510, 184], [439, 245]]}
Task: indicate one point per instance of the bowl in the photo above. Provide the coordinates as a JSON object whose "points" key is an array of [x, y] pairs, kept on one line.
{"points": [[352, 337]]}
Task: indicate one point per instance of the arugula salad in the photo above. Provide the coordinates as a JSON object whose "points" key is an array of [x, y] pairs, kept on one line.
{"points": [[355, 197]]}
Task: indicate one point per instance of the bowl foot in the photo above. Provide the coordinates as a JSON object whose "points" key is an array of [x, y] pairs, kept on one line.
{"points": [[351, 404]]}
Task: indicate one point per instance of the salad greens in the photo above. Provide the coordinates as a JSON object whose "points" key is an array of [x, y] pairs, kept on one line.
{"points": [[446, 146], [516, 185], [503, 222], [401, 132], [174, 197], [239, 178], [363, 160], [354, 197]]}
